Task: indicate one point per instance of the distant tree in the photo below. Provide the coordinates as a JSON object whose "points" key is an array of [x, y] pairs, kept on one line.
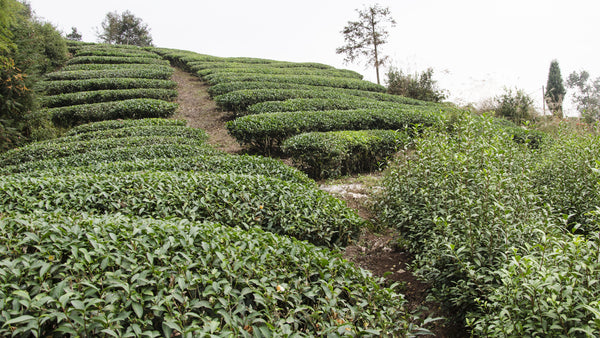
{"points": [[364, 37], [74, 35], [418, 86], [516, 107], [555, 91], [587, 96], [125, 29]]}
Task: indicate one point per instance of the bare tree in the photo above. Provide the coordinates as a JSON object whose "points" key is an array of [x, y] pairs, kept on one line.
{"points": [[364, 37]]}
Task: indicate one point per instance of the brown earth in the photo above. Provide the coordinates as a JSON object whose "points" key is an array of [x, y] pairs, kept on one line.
{"points": [[376, 250]]}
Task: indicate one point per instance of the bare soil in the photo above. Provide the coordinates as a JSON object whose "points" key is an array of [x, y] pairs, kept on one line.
{"points": [[376, 250]]}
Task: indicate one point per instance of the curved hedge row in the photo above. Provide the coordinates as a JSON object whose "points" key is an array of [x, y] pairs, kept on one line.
{"points": [[110, 66], [345, 103], [281, 207], [114, 154], [70, 86], [40, 151], [270, 70], [268, 131], [170, 278], [332, 154], [115, 124], [116, 59], [97, 96], [201, 65], [126, 109], [335, 82], [137, 131], [115, 52], [160, 72]]}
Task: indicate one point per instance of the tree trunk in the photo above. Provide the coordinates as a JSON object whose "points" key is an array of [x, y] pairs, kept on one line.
{"points": [[374, 38]]}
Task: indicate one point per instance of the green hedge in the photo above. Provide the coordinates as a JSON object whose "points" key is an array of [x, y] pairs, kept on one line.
{"points": [[137, 131], [202, 64], [43, 150], [116, 59], [70, 86], [116, 153], [96, 96], [126, 109], [332, 154], [116, 124], [342, 103], [266, 132], [160, 72], [270, 70], [110, 66], [335, 82], [115, 52], [118, 276], [281, 207]]}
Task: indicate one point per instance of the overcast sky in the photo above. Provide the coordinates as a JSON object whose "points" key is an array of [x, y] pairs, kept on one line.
{"points": [[476, 47]]}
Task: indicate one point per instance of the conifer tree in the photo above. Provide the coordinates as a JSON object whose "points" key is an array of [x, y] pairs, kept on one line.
{"points": [[555, 90]]}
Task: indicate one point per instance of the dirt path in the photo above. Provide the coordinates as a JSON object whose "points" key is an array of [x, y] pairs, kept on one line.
{"points": [[200, 111]]}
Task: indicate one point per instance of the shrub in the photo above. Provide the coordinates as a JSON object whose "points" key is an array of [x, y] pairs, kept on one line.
{"points": [[345, 103], [70, 86], [110, 66], [97, 96], [113, 275], [43, 150], [126, 109], [116, 124], [332, 154], [115, 52], [281, 207], [270, 70], [160, 72], [267, 131], [137, 131], [117, 59]]}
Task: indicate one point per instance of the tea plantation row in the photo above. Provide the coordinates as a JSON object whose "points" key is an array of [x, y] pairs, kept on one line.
{"points": [[139, 228]]}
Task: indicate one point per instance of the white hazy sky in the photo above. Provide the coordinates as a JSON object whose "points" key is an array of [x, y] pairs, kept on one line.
{"points": [[476, 47]]}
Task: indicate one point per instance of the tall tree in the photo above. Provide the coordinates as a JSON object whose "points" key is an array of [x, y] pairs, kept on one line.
{"points": [[587, 96], [125, 29], [555, 91], [74, 35], [364, 37]]}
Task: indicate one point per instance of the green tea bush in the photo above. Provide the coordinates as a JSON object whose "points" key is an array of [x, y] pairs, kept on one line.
{"points": [[70, 86], [160, 72], [110, 66], [117, 59], [126, 109], [247, 201], [168, 151], [118, 276], [42, 150], [214, 163], [226, 87], [266, 132], [270, 70], [115, 52], [342, 103], [463, 201], [332, 154], [116, 124], [200, 65], [137, 131], [97, 96], [335, 82]]}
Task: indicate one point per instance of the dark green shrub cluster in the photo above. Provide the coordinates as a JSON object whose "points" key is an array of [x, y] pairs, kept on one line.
{"points": [[332, 154], [70, 86], [121, 276], [160, 72], [126, 109], [116, 124], [246, 201], [489, 234], [96, 96], [267, 131], [340, 103], [117, 59]]}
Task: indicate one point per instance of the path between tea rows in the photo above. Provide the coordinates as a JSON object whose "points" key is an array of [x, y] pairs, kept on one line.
{"points": [[374, 251]]}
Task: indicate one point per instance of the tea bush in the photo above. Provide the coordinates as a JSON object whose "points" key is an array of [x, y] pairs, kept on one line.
{"points": [[116, 124], [70, 86], [160, 72], [271, 70], [346, 103], [115, 52], [118, 276], [97, 96], [116, 60], [267, 131], [110, 66], [42, 150], [137, 131], [245, 201], [332, 154], [126, 109], [202, 64]]}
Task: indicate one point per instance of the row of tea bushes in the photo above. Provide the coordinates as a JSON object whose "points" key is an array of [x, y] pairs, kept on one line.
{"points": [[103, 82], [486, 220], [266, 132], [114, 275], [337, 153]]}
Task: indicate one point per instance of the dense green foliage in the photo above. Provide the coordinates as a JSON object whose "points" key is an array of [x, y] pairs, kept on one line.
{"points": [[70, 86], [555, 90], [336, 153], [125, 29], [116, 275], [97, 96], [420, 86]]}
